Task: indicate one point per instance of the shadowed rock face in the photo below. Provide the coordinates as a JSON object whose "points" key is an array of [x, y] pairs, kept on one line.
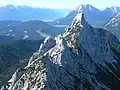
{"points": [[83, 58], [114, 26]]}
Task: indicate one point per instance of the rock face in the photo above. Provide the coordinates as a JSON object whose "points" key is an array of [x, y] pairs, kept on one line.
{"points": [[83, 58], [114, 26]]}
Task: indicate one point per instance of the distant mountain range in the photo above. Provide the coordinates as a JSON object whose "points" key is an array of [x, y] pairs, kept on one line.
{"points": [[94, 16], [26, 13]]}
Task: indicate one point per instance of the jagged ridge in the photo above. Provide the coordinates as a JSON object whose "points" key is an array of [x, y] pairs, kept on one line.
{"points": [[82, 58]]}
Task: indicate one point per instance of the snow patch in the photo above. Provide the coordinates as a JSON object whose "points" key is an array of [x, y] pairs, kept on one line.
{"points": [[42, 34], [25, 37], [25, 31], [10, 30]]}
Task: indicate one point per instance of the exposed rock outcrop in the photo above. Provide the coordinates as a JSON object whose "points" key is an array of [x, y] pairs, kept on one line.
{"points": [[83, 58]]}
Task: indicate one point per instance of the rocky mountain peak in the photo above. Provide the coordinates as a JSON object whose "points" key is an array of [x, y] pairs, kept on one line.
{"points": [[79, 18], [81, 8], [79, 59]]}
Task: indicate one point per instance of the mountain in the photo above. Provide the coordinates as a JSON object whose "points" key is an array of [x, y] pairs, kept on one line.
{"points": [[83, 58], [26, 13], [114, 26], [15, 54], [33, 30], [94, 16], [112, 10]]}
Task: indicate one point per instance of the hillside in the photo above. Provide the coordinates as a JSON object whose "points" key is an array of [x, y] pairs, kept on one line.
{"points": [[14, 55], [33, 30], [113, 25]]}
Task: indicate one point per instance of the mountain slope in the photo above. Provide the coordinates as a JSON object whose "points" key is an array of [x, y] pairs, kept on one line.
{"points": [[114, 26], [83, 58], [33, 30], [5, 38], [112, 10], [13, 55], [94, 16]]}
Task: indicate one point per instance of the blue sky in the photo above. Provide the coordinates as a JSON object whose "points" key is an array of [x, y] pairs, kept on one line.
{"points": [[62, 3]]}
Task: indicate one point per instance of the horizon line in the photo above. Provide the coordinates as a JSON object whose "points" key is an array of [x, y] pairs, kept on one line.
{"points": [[55, 7]]}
